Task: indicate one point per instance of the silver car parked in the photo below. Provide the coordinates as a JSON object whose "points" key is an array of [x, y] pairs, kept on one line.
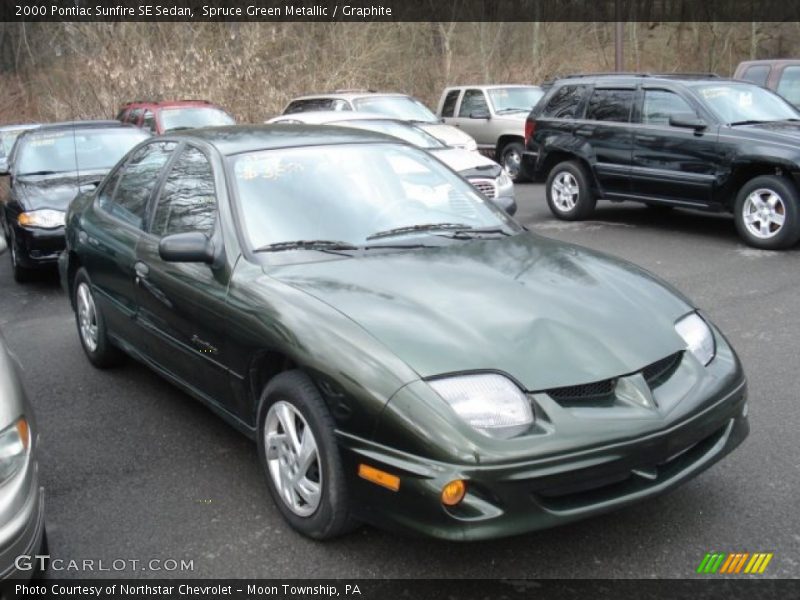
{"points": [[22, 531]]}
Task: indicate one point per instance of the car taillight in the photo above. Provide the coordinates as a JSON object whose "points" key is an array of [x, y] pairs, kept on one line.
{"points": [[530, 127]]}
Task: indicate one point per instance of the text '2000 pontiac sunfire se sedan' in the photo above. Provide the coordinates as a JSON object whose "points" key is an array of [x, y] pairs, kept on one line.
{"points": [[403, 351]]}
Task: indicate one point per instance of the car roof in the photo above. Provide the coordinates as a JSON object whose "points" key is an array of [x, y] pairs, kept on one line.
{"points": [[493, 86], [348, 95], [770, 61], [18, 126], [167, 104], [320, 117], [635, 78], [237, 139], [94, 124]]}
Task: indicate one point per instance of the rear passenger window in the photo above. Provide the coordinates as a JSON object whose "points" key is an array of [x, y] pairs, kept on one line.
{"points": [[610, 105], [789, 85], [449, 106], [660, 105], [136, 182], [757, 74], [564, 102], [188, 201]]}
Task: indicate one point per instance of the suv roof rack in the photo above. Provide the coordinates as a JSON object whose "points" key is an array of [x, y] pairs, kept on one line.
{"points": [[635, 74], [355, 91], [166, 101]]}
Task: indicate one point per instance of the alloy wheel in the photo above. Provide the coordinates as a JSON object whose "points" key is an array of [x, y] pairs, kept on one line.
{"points": [[512, 162], [87, 316], [763, 213], [565, 191], [293, 459]]}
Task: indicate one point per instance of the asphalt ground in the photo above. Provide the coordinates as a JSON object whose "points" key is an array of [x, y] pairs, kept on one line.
{"points": [[136, 470]]}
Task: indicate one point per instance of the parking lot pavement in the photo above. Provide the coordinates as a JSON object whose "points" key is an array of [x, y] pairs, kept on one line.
{"points": [[134, 469]]}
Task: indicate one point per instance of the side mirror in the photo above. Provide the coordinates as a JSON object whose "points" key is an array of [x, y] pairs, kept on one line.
{"points": [[506, 204], [3, 244], [688, 121], [480, 114], [192, 246]]}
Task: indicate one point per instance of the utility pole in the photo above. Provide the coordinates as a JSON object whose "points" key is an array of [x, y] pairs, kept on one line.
{"points": [[619, 36]]}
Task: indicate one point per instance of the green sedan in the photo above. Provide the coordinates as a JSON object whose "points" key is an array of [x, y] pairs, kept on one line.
{"points": [[402, 351]]}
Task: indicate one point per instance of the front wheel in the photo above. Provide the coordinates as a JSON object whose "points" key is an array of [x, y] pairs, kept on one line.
{"points": [[511, 160], [298, 450], [766, 213], [569, 193]]}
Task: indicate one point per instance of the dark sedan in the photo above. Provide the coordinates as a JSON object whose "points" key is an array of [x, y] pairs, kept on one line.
{"points": [[47, 167], [403, 352]]}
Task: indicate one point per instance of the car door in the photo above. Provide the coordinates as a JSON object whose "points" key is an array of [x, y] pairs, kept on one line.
{"points": [[473, 113], [112, 227], [606, 129], [675, 164], [182, 305]]}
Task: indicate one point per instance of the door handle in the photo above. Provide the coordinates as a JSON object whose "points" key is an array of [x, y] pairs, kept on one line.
{"points": [[141, 270], [584, 131]]}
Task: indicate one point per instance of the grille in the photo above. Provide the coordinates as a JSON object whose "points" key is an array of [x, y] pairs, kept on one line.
{"points": [[485, 187], [602, 392], [660, 370]]}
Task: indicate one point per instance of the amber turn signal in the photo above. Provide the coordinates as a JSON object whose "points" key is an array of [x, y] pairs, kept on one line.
{"points": [[454, 492], [24, 432], [382, 478]]}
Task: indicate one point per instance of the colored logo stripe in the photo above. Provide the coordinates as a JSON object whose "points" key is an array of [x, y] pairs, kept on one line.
{"points": [[724, 563]]}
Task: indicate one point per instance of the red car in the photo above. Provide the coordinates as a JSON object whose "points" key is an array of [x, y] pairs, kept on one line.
{"points": [[160, 117]]}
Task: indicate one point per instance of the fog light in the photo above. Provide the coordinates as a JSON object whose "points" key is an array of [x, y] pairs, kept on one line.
{"points": [[453, 492], [744, 409]]}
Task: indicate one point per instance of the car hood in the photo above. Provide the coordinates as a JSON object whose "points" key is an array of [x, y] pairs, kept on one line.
{"points": [[54, 191], [548, 314], [779, 131], [463, 161], [452, 136]]}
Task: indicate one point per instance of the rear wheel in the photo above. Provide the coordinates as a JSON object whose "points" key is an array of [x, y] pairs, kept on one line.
{"points": [[298, 450], [91, 325], [766, 212], [569, 194], [511, 160]]}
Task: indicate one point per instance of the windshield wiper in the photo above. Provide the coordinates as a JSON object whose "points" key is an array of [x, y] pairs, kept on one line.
{"points": [[748, 122], [323, 245], [416, 228], [470, 233], [40, 173], [511, 109]]}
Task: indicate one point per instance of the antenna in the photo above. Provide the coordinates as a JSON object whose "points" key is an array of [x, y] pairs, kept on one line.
{"points": [[75, 150]]}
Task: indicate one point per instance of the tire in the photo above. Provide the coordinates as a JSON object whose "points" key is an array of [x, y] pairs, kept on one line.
{"points": [[92, 333], [293, 397], [21, 274], [767, 212], [569, 192], [511, 160]]}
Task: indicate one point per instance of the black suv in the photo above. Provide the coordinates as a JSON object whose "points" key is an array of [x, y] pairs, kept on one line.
{"points": [[670, 140]]}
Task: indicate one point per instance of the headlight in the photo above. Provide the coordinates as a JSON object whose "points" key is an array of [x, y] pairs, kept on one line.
{"points": [[490, 403], [45, 219], [698, 337], [14, 442]]}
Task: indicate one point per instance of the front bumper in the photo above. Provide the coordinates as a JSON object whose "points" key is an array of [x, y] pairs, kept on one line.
{"points": [[38, 248], [22, 526], [510, 499]]}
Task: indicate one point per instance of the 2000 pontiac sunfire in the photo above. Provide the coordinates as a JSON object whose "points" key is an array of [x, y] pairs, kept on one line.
{"points": [[404, 353]]}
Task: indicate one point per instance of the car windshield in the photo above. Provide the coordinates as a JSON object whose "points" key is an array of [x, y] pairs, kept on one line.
{"points": [[404, 131], [405, 108], [82, 149], [318, 193], [514, 98], [7, 139], [745, 103], [192, 117]]}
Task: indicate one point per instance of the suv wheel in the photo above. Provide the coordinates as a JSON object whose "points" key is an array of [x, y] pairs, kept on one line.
{"points": [[298, 450], [569, 194], [511, 159], [766, 212]]}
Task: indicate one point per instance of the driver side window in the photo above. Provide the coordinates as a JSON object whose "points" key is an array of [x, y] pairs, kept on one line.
{"points": [[660, 105], [188, 199], [473, 100]]}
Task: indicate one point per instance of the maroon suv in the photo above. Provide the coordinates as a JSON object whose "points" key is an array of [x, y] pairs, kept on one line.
{"points": [[160, 117]]}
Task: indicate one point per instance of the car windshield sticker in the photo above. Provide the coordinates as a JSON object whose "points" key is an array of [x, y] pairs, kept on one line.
{"points": [[745, 99], [265, 166], [46, 139], [714, 92]]}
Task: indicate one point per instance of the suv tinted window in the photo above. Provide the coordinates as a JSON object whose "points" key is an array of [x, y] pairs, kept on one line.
{"points": [[610, 105], [756, 74], [309, 105], [789, 85], [449, 106], [188, 201], [137, 179], [660, 105], [564, 102], [473, 100]]}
